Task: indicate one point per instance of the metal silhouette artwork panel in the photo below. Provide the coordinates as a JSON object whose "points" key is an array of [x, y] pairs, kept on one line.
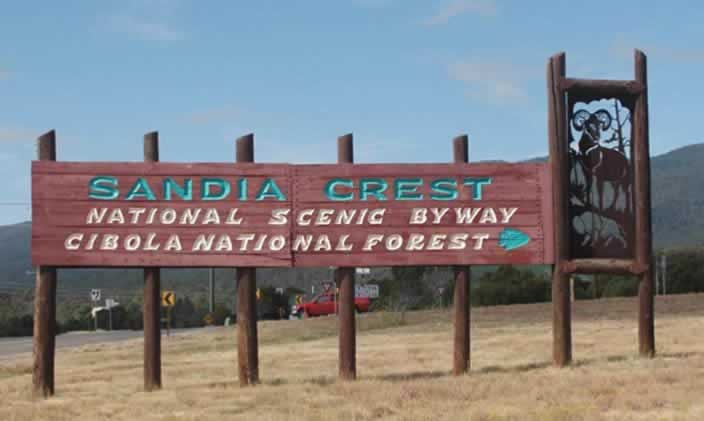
{"points": [[600, 177]]}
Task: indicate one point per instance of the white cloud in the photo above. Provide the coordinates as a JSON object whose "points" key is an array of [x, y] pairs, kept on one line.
{"points": [[147, 30], [460, 7], [492, 82], [147, 20]]}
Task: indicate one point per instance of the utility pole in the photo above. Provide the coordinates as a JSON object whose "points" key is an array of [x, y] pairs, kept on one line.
{"points": [[211, 295], [658, 275], [663, 271]]}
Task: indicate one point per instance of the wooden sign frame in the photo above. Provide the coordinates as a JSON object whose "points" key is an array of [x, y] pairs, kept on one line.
{"points": [[559, 86]]}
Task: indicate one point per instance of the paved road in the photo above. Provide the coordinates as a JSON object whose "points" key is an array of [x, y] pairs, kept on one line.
{"points": [[9, 347]]}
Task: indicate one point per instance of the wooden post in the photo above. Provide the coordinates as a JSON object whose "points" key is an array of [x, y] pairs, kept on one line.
{"points": [[45, 303], [643, 230], [462, 284], [557, 135], [247, 342], [572, 288], [152, 297], [345, 282]]}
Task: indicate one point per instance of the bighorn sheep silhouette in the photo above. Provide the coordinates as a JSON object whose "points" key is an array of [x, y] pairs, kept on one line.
{"points": [[600, 164]]}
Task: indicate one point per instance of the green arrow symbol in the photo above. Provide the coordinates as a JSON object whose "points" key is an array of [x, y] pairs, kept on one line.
{"points": [[511, 239]]}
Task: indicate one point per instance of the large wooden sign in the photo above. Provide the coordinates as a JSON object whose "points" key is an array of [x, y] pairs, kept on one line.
{"points": [[587, 212], [196, 215]]}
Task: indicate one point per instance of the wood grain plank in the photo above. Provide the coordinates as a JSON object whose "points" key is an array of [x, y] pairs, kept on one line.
{"points": [[61, 207]]}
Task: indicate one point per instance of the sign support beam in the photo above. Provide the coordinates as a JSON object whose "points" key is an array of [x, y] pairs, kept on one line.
{"points": [[643, 231], [45, 303], [152, 297], [345, 282], [557, 136], [247, 342], [461, 362]]}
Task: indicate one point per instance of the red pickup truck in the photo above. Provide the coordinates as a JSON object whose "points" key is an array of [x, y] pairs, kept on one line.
{"points": [[326, 303]]}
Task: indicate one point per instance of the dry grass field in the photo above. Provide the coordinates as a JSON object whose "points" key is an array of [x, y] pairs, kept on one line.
{"points": [[403, 367]]}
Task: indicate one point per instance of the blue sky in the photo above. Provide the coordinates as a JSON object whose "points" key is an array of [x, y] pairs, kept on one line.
{"points": [[404, 76]]}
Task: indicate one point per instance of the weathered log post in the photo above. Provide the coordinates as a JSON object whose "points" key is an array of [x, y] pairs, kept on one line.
{"points": [[152, 297], [557, 136], [44, 302], [345, 282], [247, 341], [643, 228], [461, 304]]}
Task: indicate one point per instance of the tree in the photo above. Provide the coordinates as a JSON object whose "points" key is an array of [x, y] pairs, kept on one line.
{"points": [[134, 316], [185, 314], [685, 271], [220, 313], [411, 291], [408, 273], [510, 285]]}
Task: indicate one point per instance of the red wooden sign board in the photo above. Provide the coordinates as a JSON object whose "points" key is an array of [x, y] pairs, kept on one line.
{"points": [[268, 215]]}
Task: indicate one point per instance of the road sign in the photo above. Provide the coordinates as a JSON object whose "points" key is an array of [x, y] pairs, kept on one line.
{"points": [[110, 303], [299, 299], [208, 319], [168, 299], [363, 271], [95, 294], [367, 290]]}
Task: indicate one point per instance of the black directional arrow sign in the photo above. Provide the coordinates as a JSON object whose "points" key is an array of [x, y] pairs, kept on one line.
{"points": [[168, 299]]}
